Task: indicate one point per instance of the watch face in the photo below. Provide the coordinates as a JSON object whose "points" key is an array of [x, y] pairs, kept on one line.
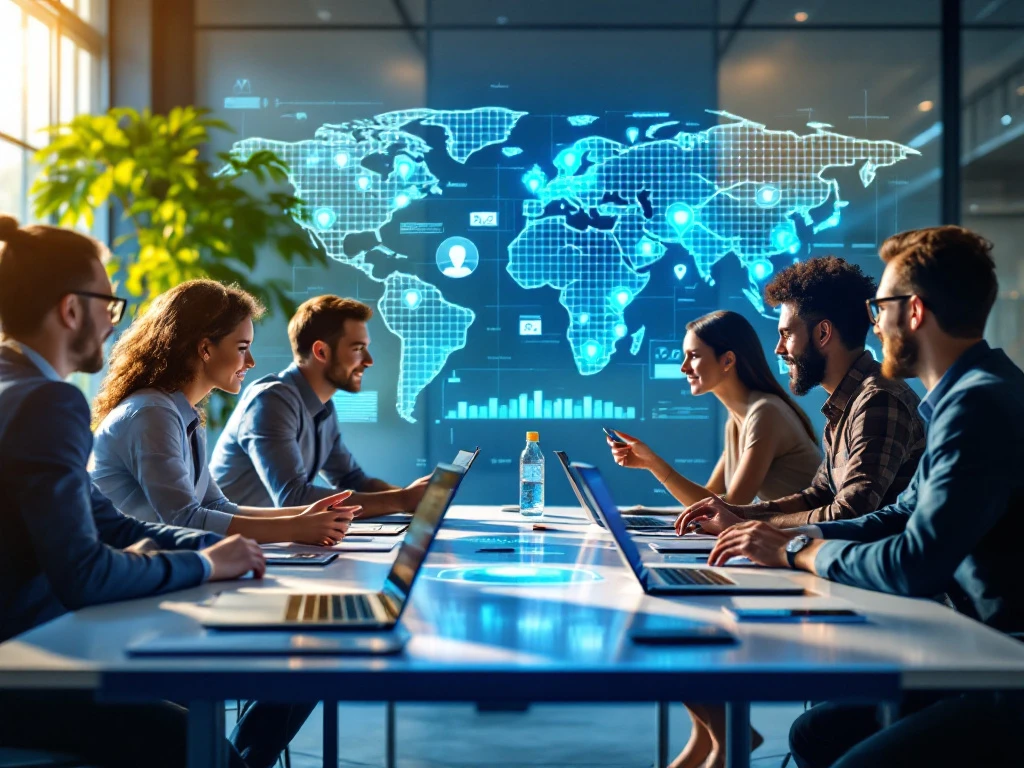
{"points": [[797, 543]]}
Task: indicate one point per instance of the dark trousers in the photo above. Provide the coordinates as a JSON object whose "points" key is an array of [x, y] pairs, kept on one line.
{"points": [[265, 729], [982, 729], [111, 735]]}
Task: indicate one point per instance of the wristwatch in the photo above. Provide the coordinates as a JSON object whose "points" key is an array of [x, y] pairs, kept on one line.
{"points": [[793, 546]]}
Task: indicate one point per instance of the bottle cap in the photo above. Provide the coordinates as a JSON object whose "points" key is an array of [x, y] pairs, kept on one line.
{"points": [[533, 436]]}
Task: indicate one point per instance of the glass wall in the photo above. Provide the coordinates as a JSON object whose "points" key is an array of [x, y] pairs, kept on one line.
{"points": [[51, 58], [550, 142], [992, 160]]}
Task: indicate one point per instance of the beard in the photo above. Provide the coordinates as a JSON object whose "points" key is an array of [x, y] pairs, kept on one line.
{"points": [[88, 348], [899, 354], [336, 377], [806, 370]]}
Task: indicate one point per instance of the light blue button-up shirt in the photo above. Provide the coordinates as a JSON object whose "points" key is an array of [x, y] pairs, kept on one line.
{"points": [[278, 440], [40, 362], [142, 462]]}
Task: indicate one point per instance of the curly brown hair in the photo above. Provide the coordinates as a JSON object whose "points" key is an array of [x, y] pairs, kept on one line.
{"points": [[826, 288], [160, 350]]}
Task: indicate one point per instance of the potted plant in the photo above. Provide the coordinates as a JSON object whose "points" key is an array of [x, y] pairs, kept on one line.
{"points": [[183, 218]]}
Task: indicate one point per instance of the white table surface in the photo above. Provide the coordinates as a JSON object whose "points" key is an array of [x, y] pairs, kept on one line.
{"points": [[500, 643]]}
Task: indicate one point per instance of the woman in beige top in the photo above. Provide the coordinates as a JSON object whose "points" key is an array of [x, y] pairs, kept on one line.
{"points": [[770, 448], [770, 452]]}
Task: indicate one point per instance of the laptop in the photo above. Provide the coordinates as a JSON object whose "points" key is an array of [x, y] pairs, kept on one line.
{"points": [[463, 459], [669, 579], [632, 522], [259, 609]]}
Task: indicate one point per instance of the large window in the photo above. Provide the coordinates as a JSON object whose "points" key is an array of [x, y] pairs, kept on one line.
{"points": [[51, 57]]}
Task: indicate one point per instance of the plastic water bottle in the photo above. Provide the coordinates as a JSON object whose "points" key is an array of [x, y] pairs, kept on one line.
{"points": [[531, 478]]}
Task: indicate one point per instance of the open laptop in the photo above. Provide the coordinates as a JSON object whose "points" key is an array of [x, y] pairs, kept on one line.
{"points": [[671, 579], [262, 609], [463, 459], [632, 522]]}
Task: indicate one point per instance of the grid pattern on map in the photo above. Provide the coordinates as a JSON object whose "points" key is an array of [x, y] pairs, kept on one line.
{"points": [[734, 188], [596, 283], [430, 329]]}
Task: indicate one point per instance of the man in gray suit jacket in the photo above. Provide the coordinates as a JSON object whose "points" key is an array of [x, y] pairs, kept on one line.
{"points": [[63, 546]]}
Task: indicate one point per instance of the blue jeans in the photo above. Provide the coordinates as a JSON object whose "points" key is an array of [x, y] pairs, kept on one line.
{"points": [[982, 729], [265, 729]]}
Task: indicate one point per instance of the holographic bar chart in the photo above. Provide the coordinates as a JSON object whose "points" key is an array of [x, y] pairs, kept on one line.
{"points": [[535, 406]]}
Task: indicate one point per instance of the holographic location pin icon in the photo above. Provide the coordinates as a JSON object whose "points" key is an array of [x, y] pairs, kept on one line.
{"points": [[632, 133], [680, 270], [412, 298]]}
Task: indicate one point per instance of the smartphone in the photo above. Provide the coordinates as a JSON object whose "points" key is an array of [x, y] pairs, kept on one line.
{"points": [[613, 436], [653, 629], [824, 615]]}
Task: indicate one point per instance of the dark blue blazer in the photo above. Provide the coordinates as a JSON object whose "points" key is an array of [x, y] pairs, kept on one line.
{"points": [[60, 539]]}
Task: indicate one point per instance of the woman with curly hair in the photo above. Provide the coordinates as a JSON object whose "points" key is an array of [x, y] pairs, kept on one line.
{"points": [[149, 457]]}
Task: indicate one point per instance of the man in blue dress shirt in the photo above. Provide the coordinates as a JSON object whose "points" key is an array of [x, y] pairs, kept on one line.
{"points": [[63, 546], [284, 433], [958, 528]]}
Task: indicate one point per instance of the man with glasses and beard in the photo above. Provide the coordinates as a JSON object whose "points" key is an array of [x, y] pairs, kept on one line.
{"points": [[873, 435], [63, 545], [284, 431], [958, 526]]}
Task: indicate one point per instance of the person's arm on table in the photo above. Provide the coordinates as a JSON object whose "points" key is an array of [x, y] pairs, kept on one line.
{"points": [[878, 448], [921, 559], [969, 474], [157, 463], [55, 498], [375, 496]]}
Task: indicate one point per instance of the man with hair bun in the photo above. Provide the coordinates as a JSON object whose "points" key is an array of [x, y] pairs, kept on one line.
{"points": [[63, 545]]}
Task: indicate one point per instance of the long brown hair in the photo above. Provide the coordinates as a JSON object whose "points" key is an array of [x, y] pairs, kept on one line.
{"points": [[726, 331], [160, 350]]}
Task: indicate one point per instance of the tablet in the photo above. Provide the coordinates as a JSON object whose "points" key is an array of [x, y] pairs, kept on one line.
{"points": [[298, 558]]}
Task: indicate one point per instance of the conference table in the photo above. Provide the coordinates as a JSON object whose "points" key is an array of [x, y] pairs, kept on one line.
{"points": [[547, 622]]}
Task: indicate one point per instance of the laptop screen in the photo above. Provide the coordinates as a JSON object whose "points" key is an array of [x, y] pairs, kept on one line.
{"points": [[594, 487], [465, 459], [423, 527], [580, 497]]}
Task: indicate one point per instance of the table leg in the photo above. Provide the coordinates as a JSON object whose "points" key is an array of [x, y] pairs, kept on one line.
{"points": [[389, 735], [207, 747], [661, 709], [737, 734], [330, 734]]}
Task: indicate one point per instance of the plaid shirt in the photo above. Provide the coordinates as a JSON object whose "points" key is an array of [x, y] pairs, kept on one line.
{"points": [[873, 440]]}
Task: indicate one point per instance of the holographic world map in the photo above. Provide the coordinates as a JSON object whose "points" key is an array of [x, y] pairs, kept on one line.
{"points": [[594, 218]]}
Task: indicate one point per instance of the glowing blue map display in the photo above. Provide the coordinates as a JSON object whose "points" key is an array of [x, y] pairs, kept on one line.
{"points": [[592, 219]]}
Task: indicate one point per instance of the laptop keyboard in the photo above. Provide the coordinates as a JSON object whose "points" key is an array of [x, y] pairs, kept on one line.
{"points": [[699, 577], [315, 609], [641, 521]]}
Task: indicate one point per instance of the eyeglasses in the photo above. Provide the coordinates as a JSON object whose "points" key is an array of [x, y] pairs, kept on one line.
{"points": [[875, 306], [115, 304]]}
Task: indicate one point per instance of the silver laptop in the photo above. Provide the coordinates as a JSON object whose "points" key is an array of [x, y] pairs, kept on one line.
{"points": [[670, 579], [632, 522], [259, 609], [463, 459]]}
